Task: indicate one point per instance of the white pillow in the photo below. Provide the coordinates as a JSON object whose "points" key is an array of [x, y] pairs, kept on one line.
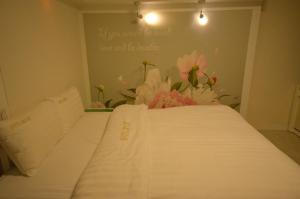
{"points": [[29, 138], [69, 107]]}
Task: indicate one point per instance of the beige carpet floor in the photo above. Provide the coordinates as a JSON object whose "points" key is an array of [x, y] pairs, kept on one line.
{"points": [[287, 142]]}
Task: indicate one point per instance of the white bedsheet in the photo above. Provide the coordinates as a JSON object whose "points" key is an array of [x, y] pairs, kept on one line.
{"points": [[196, 152], [118, 168], [59, 173]]}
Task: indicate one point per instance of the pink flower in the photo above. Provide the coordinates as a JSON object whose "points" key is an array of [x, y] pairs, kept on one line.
{"points": [[170, 99], [187, 62]]}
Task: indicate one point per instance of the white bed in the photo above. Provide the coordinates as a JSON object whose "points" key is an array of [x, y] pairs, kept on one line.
{"points": [[198, 152], [59, 173]]}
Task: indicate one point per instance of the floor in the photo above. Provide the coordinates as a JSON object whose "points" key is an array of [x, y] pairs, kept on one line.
{"points": [[287, 142]]}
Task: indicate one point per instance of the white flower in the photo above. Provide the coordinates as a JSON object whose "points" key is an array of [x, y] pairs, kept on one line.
{"points": [[144, 94], [201, 95], [153, 84], [204, 95], [165, 85], [100, 87], [153, 79], [187, 92]]}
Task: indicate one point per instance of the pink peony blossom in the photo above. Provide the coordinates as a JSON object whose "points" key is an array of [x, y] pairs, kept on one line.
{"points": [[187, 62], [170, 99]]}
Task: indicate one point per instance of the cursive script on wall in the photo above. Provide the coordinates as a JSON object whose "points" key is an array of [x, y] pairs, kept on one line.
{"points": [[108, 35], [130, 47]]}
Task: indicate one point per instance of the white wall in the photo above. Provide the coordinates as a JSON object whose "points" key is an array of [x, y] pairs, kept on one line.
{"points": [[277, 65], [40, 52]]}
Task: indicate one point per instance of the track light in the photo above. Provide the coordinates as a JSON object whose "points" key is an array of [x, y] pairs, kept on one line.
{"points": [[139, 16], [152, 18], [202, 19]]}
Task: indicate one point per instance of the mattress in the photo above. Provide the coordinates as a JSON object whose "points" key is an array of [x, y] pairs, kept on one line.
{"points": [[59, 173], [195, 152]]}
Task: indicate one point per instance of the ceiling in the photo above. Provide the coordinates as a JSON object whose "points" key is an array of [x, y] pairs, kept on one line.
{"points": [[96, 4]]}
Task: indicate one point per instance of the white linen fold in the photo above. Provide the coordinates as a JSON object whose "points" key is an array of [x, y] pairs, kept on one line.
{"points": [[118, 168]]}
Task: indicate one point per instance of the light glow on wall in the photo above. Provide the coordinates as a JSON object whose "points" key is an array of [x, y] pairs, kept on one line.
{"points": [[152, 18], [202, 19]]}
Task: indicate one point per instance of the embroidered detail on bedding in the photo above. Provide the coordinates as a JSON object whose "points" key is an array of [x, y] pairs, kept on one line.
{"points": [[118, 168], [125, 131], [20, 123]]}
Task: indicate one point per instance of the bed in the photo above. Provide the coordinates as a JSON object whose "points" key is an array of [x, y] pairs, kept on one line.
{"points": [[207, 152]]}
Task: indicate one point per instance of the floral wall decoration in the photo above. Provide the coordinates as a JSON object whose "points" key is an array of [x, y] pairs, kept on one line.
{"points": [[196, 86], [117, 50]]}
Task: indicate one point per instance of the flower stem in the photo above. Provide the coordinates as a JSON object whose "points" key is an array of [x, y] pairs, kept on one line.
{"points": [[103, 98], [145, 71], [192, 92], [206, 75], [98, 96]]}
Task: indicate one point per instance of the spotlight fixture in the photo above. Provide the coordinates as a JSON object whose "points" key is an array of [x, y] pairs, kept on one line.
{"points": [[151, 18], [202, 19]]}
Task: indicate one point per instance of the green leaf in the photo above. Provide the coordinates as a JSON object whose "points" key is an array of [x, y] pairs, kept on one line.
{"points": [[176, 86], [193, 79], [128, 94], [132, 90], [221, 96], [184, 88], [128, 97], [118, 103], [100, 88], [107, 103]]}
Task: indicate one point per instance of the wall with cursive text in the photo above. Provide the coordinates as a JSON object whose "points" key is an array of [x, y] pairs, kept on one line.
{"points": [[117, 46]]}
